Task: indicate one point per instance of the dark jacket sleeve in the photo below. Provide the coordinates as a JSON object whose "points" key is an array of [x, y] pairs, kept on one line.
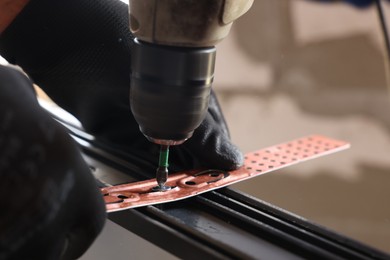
{"points": [[49, 197]]}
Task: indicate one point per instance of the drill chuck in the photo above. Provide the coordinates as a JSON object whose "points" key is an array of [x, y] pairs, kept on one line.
{"points": [[170, 90]]}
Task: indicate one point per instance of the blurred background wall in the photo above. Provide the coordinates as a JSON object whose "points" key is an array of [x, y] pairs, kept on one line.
{"points": [[293, 68]]}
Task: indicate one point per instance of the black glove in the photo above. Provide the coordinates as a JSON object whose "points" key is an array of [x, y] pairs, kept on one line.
{"points": [[50, 203], [79, 51]]}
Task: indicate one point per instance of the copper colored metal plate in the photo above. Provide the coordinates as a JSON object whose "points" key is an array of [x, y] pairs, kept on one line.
{"points": [[193, 182]]}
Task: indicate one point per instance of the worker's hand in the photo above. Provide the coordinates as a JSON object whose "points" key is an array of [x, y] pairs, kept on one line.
{"points": [[210, 143], [50, 204], [79, 51]]}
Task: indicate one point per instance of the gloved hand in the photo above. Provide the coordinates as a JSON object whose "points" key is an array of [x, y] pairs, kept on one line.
{"points": [[50, 204], [79, 51]]}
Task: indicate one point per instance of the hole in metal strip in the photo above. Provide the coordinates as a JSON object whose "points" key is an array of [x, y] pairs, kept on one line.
{"points": [[213, 173]]}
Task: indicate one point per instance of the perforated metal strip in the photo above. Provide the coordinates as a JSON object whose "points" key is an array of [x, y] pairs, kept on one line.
{"points": [[190, 183]]}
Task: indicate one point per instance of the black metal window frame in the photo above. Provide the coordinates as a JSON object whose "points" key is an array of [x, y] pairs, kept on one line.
{"points": [[221, 224]]}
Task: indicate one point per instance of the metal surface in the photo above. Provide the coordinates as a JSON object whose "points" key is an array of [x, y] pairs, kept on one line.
{"points": [[221, 224], [194, 182]]}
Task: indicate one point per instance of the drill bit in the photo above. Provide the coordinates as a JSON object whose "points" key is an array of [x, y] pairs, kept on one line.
{"points": [[162, 170]]}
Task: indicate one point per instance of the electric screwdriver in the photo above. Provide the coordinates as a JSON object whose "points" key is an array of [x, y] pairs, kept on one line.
{"points": [[173, 62]]}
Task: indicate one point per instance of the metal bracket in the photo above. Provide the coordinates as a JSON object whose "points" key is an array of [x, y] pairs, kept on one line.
{"points": [[193, 182]]}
